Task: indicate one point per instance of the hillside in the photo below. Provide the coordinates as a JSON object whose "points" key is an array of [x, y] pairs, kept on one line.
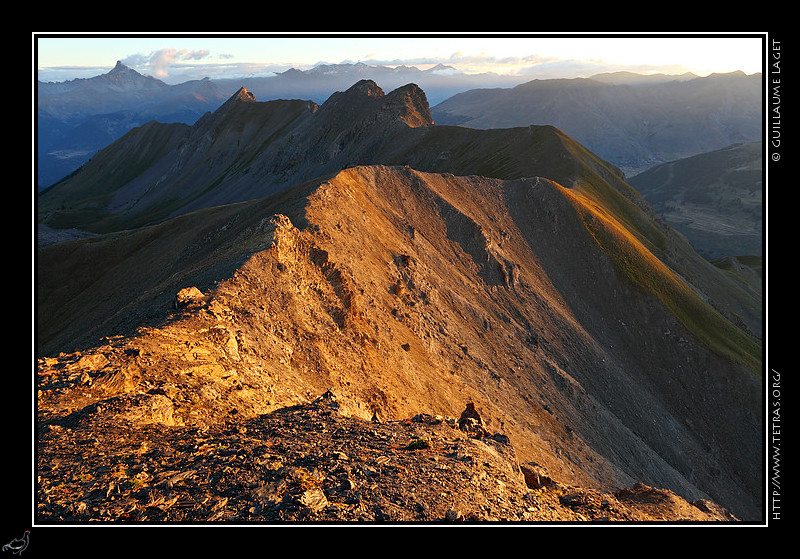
{"points": [[715, 199], [407, 293], [241, 272], [632, 125], [311, 463]]}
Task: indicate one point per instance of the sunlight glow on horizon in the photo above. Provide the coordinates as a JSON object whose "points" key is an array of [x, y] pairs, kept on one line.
{"points": [[175, 59]]}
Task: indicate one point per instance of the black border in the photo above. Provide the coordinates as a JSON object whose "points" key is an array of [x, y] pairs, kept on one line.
{"points": [[162, 539]]}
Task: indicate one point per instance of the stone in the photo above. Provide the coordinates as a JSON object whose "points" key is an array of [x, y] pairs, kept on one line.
{"points": [[469, 413], [314, 499], [151, 408], [536, 476], [91, 362], [188, 296], [453, 515], [301, 462]]}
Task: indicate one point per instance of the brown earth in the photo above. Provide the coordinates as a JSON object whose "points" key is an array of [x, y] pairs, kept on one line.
{"points": [[418, 294]]}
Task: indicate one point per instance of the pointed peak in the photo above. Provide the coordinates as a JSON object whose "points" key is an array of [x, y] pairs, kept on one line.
{"points": [[410, 104], [121, 69], [210, 119], [243, 95], [125, 77]]}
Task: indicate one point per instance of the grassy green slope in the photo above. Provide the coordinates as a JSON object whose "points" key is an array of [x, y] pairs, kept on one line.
{"points": [[639, 266]]}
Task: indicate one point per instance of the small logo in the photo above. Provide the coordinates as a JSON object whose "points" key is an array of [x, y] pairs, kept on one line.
{"points": [[18, 545]]}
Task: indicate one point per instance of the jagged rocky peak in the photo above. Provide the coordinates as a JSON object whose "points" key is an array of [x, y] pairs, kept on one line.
{"points": [[366, 87], [124, 77], [243, 95], [359, 92], [121, 68], [411, 105], [407, 103], [209, 119]]}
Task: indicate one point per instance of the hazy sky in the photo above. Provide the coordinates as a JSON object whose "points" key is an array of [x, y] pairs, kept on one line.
{"points": [[181, 57]]}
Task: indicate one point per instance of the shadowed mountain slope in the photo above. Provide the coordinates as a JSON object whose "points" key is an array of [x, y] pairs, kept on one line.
{"points": [[76, 118], [250, 150], [715, 199], [633, 125]]}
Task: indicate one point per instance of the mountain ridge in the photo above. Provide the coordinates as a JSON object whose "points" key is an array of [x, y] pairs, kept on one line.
{"points": [[70, 129], [408, 298], [254, 149], [409, 268], [406, 104], [632, 125]]}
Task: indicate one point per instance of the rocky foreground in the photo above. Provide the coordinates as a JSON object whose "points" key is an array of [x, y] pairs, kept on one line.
{"points": [[119, 461]]}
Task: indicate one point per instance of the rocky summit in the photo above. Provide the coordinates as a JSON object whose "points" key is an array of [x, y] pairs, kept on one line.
{"points": [[381, 343]]}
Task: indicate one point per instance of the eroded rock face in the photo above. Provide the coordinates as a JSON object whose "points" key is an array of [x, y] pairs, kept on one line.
{"points": [[536, 476]]}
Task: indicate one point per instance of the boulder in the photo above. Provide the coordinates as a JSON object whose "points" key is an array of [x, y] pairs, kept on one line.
{"points": [[188, 296], [536, 476]]}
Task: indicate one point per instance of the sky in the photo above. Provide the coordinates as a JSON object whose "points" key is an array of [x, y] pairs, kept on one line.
{"points": [[181, 57]]}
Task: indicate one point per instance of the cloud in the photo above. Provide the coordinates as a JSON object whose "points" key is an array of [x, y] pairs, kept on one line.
{"points": [[159, 63], [196, 55], [162, 59], [135, 61]]}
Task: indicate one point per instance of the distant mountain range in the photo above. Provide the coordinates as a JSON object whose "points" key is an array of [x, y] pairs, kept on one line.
{"points": [[634, 122], [631, 120], [77, 118]]}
